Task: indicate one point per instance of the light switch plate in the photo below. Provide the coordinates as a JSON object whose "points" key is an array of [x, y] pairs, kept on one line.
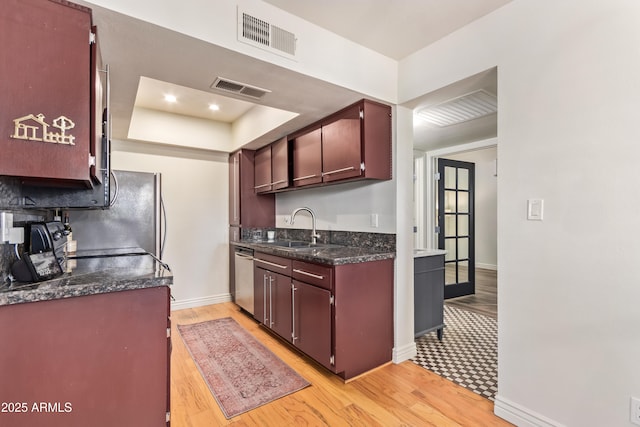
{"points": [[535, 209]]}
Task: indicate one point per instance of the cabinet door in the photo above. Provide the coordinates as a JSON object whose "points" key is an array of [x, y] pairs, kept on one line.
{"points": [[280, 164], [312, 321], [45, 117], [105, 354], [307, 159], [260, 295], [341, 146], [262, 168], [280, 305]]}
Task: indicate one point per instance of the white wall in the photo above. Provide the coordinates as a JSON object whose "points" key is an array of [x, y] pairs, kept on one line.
{"points": [[568, 341], [174, 129], [195, 191], [486, 204], [346, 206]]}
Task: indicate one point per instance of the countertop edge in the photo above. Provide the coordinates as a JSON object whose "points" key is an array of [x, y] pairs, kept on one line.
{"points": [[328, 256]]}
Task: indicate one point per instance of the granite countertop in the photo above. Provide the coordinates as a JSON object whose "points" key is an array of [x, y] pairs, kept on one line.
{"points": [[90, 276], [419, 253], [330, 254]]}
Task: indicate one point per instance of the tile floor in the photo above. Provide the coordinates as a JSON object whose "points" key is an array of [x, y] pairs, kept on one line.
{"points": [[467, 354]]}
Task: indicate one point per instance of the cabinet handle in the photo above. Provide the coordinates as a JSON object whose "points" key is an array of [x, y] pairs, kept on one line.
{"points": [[305, 177], [260, 186], [264, 297], [284, 267], [293, 315], [308, 274], [350, 168], [271, 322], [279, 182]]}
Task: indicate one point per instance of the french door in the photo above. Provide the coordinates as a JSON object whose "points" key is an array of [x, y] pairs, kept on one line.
{"points": [[455, 228]]}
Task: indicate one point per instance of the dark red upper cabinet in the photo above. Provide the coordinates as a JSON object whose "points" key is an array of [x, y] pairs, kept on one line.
{"points": [[307, 158], [352, 144], [262, 166], [272, 167], [246, 208], [45, 110], [280, 164], [342, 146], [356, 143]]}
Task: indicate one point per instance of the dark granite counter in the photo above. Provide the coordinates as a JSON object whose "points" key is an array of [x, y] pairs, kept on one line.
{"points": [[92, 275], [332, 254]]}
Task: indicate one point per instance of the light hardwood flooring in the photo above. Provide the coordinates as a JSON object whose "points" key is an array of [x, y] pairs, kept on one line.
{"points": [[485, 300], [394, 395]]}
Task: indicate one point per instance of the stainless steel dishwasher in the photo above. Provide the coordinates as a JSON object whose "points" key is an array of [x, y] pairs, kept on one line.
{"points": [[244, 278]]}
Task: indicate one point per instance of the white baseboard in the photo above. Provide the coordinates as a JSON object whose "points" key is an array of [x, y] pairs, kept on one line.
{"points": [[199, 302], [487, 266], [521, 416], [406, 352]]}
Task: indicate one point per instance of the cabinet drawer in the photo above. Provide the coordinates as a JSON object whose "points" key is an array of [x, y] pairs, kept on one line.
{"points": [[315, 274], [273, 263]]}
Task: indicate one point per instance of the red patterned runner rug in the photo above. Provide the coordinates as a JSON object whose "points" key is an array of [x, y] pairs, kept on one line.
{"points": [[241, 373]]}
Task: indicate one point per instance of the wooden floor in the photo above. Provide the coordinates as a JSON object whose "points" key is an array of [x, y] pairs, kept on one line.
{"points": [[394, 395], [485, 300]]}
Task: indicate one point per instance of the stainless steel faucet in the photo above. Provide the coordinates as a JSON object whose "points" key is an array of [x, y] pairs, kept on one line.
{"points": [[314, 234]]}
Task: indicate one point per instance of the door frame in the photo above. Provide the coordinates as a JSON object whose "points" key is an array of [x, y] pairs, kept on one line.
{"points": [[426, 201]]}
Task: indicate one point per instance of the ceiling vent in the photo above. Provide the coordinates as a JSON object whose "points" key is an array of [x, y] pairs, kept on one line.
{"points": [[462, 109], [265, 35], [239, 88]]}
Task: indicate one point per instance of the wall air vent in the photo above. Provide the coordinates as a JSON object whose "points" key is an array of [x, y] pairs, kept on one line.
{"points": [[265, 35], [461, 109], [239, 88]]}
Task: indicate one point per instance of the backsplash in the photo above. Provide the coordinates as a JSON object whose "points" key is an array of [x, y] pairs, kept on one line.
{"points": [[383, 242]]}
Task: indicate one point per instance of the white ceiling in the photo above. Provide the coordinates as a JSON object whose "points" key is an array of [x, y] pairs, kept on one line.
{"points": [[167, 59], [394, 28]]}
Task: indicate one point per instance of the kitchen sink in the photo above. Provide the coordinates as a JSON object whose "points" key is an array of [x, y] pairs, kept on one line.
{"points": [[297, 245]]}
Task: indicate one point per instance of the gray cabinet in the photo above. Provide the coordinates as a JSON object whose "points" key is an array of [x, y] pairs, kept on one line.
{"points": [[428, 294]]}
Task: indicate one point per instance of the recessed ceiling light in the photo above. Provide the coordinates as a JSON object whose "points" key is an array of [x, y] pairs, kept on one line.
{"points": [[214, 107], [170, 98]]}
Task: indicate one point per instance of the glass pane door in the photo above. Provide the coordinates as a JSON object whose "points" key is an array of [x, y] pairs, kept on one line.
{"points": [[455, 225]]}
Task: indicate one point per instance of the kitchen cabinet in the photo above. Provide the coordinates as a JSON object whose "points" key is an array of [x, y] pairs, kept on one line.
{"points": [[307, 158], [272, 167], [428, 295], [313, 304], [246, 208], [49, 106], [342, 146], [272, 294], [97, 360], [339, 315], [354, 143]]}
